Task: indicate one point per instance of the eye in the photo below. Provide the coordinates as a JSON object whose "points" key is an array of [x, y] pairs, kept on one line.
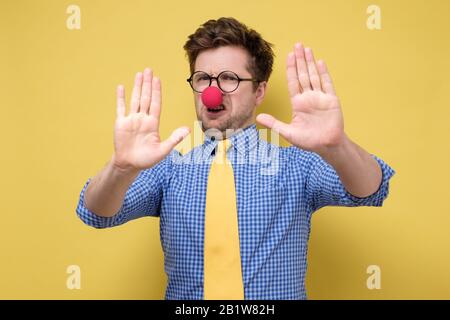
{"points": [[201, 77], [228, 77]]}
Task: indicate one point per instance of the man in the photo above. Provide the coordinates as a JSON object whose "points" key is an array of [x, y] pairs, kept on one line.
{"points": [[261, 254]]}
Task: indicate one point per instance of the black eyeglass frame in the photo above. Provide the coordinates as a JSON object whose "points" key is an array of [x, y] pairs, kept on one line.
{"points": [[211, 78]]}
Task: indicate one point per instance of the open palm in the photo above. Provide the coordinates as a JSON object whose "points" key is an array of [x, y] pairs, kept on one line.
{"points": [[317, 120], [137, 142]]}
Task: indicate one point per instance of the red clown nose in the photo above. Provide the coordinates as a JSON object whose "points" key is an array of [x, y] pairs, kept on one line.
{"points": [[212, 97]]}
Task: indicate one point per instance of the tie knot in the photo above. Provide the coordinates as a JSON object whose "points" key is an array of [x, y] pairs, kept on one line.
{"points": [[222, 149]]}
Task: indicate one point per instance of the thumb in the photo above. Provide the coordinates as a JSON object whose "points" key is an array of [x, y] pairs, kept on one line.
{"points": [[175, 138], [276, 125]]}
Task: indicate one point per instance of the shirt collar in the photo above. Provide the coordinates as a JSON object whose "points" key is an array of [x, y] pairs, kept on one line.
{"points": [[243, 140]]}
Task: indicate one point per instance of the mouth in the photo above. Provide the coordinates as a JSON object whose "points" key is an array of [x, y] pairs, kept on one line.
{"points": [[216, 110]]}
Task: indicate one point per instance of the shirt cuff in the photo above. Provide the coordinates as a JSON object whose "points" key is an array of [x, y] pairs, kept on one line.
{"points": [[376, 199], [89, 217]]}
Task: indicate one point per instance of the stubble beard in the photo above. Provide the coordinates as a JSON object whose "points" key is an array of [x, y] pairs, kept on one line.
{"points": [[231, 123]]}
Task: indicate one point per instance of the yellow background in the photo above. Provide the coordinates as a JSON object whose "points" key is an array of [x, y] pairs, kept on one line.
{"points": [[58, 110]]}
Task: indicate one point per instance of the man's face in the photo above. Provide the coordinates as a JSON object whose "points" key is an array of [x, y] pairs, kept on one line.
{"points": [[240, 105]]}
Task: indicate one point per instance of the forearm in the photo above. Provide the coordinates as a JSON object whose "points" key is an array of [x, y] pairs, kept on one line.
{"points": [[106, 191], [359, 172]]}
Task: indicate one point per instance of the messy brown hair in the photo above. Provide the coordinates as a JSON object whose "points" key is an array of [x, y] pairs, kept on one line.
{"points": [[228, 32]]}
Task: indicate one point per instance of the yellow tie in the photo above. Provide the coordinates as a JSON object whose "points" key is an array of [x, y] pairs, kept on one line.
{"points": [[222, 259]]}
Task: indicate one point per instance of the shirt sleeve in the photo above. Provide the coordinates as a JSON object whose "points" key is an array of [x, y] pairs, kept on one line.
{"points": [[324, 187], [143, 198]]}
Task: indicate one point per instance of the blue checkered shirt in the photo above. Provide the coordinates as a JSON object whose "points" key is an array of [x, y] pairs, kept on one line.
{"points": [[277, 190]]}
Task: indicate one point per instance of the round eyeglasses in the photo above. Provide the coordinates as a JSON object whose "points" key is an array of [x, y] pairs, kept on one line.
{"points": [[227, 81]]}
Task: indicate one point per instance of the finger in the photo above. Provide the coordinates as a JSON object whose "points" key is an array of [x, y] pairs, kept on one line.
{"points": [[312, 70], [146, 95], [276, 125], [175, 138], [291, 73], [302, 69], [155, 106], [135, 96], [327, 83], [120, 101]]}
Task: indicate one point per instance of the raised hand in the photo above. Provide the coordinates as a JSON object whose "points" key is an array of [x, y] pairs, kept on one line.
{"points": [[137, 142], [317, 121]]}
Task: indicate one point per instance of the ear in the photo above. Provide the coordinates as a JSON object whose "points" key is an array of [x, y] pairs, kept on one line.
{"points": [[261, 92]]}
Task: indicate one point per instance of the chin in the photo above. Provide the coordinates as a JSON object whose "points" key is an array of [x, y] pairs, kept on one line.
{"points": [[213, 124]]}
